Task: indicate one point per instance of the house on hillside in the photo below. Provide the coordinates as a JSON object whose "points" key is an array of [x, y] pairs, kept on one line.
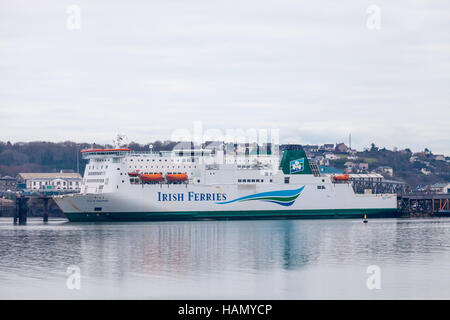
{"points": [[349, 166], [331, 156], [363, 166], [327, 147], [385, 170], [321, 160], [311, 148], [341, 147]]}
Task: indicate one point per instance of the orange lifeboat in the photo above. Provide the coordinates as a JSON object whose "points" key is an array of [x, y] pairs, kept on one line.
{"points": [[156, 177], [134, 174], [341, 177], [176, 177]]}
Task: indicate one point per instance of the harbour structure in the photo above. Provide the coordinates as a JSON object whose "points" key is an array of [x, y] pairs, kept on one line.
{"points": [[120, 184], [434, 204]]}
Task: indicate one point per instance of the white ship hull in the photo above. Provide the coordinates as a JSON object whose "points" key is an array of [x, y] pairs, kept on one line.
{"points": [[165, 201]]}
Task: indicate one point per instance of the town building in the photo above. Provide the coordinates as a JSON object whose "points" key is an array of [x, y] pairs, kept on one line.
{"points": [[385, 170], [50, 181], [363, 166], [341, 147], [349, 166], [327, 147], [311, 148], [321, 160], [331, 156]]}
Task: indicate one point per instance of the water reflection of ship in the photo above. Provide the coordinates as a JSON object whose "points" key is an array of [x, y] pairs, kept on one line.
{"points": [[206, 247]]}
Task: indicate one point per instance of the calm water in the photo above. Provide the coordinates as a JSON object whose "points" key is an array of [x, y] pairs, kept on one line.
{"points": [[271, 259]]}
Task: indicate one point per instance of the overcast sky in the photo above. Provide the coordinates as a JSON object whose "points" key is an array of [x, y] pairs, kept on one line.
{"points": [[311, 69]]}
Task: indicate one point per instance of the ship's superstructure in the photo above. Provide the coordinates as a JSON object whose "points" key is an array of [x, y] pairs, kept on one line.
{"points": [[121, 185]]}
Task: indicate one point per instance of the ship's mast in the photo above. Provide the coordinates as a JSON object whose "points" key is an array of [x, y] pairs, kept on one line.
{"points": [[120, 141]]}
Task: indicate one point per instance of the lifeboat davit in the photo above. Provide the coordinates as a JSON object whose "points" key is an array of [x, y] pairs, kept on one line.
{"points": [[156, 177], [341, 177], [176, 177], [134, 174]]}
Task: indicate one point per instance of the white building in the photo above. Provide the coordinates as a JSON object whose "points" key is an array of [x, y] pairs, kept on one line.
{"points": [[331, 156], [327, 147], [386, 170], [440, 187], [51, 181]]}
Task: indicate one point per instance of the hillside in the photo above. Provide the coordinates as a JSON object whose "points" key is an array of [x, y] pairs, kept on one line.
{"points": [[52, 157], [406, 166]]}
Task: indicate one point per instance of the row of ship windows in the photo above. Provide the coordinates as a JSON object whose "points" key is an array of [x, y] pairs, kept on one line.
{"points": [[96, 173], [160, 173], [173, 167], [98, 167], [252, 180], [244, 166], [160, 160], [95, 180], [57, 183]]}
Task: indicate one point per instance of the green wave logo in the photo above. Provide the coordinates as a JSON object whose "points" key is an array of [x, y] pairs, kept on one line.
{"points": [[283, 197]]}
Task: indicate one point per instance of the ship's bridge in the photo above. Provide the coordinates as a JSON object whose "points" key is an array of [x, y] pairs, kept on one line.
{"points": [[102, 153]]}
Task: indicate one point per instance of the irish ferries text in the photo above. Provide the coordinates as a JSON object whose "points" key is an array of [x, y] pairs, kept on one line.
{"points": [[192, 196]]}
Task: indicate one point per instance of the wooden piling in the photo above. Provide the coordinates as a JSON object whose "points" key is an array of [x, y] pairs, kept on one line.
{"points": [[17, 209], [23, 210], [45, 209]]}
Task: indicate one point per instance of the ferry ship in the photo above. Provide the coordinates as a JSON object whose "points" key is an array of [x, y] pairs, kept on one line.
{"points": [[122, 185]]}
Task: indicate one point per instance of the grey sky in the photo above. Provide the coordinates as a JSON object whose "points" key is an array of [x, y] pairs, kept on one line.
{"points": [[312, 69]]}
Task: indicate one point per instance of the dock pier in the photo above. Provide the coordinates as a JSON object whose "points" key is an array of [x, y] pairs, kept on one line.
{"points": [[21, 210], [434, 204]]}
